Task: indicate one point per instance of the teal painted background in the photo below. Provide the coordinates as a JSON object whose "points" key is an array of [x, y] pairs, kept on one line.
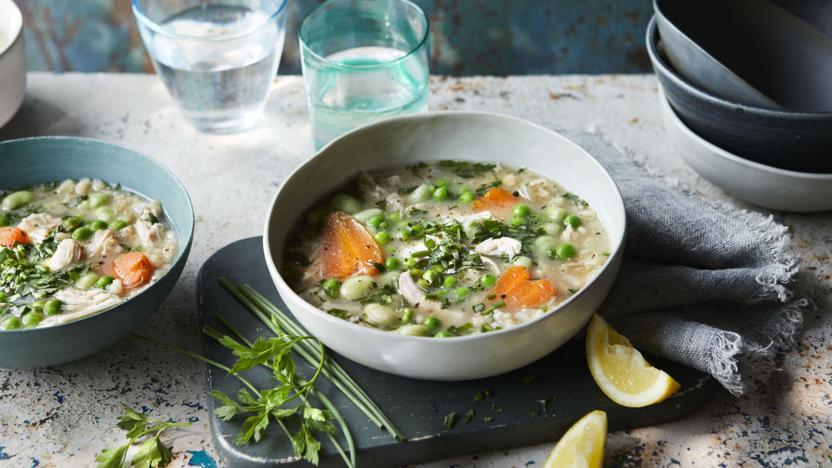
{"points": [[470, 37]]}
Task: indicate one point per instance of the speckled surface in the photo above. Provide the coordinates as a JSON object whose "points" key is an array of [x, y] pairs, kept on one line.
{"points": [[62, 416]]}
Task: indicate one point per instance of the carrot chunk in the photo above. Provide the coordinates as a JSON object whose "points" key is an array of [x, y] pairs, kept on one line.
{"points": [[348, 248], [133, 269], [493, 199], [9, 236], [518, 290]]}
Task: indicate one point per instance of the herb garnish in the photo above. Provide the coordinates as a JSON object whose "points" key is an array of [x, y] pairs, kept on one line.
{"points": [[450, 420], [467, 169], [151, 453]]}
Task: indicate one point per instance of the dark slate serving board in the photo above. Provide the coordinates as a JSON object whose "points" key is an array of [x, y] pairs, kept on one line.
{"points": [[514, 415]]}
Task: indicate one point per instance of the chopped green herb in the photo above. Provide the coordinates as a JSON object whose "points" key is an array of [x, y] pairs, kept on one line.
{"points": [[340, 313], [467, 169], [574, 199], [450, 420], [469, 415]]}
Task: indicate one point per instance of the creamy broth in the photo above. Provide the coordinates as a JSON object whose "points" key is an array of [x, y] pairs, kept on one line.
{"points": [[75, 248], [446, 249]]}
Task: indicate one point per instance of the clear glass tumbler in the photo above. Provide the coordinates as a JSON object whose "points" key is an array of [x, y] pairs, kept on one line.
{"points": [[216, 57], [363, 60]]}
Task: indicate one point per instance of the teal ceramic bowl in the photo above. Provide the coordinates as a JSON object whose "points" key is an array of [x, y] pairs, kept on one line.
{"points": [[35, 160]]}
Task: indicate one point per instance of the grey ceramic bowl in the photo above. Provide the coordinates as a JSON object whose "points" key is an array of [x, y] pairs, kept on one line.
{"points": [[695, 63], [797, 141], [435, 136], [33, 160]]}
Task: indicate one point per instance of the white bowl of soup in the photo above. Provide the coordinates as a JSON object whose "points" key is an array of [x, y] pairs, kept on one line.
{"points": [[12, 60], [446, 246]]}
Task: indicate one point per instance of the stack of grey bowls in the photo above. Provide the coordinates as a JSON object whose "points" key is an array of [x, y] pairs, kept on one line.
{"points": [[747, 98]]}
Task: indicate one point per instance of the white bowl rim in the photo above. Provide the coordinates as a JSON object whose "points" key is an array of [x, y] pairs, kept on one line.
{"points": [[712, 148], [17, 20], [275, 272]]}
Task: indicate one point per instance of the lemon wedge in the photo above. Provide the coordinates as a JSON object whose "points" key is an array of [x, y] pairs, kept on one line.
{"points": [[621, 371], [582, 445]]}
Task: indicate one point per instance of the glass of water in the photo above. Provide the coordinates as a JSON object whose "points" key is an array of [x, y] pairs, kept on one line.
{"points": [[216, 57], [363, 60]]}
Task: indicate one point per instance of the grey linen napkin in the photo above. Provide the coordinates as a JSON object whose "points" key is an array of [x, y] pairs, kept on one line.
{"points": [[702, 284]]}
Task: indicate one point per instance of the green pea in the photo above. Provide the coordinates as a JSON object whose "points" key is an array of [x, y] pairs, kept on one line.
{"points": [[71, 223], [441, 194], [366, 215], [356, 287], [403, 234], [37, 305], [103, 282], [522, 261], [423, 283], [488, 281], [521, 210], [82, 233], [449, 282], [346, 203], [394, 217], [53, 307], [392, 264], [432, 322], [421, 194], [105, 213], [382, 225], [554, 213], [443, 334], [572, 220], [466, 196], [99, 199], [4, 220], [551, 228], [86, 281], [11, 323], [518, 221], [376, 220], [438, 268], [332, 288], [413, 330], [15, 200], [30, 319], [3, 296], [462, 292], [98, 225], [566, 251], [380, 315], [382, 237], [117, 225], [406, 314]]}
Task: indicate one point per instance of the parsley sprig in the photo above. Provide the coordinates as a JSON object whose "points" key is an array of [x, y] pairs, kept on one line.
{"points": [[151, 453]]}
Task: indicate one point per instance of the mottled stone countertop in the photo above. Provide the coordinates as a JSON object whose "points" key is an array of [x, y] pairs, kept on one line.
{"points": [[62, 416]]}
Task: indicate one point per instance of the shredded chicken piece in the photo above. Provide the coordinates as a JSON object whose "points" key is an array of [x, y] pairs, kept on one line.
{"points": [[499, 247], [411, 291], [38, 225], [149, 234], [78, 303], [68, 253], [102, 247]]}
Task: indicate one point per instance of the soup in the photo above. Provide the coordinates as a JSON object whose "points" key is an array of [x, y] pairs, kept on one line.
{"points": [[445, 249], [75, 248]]}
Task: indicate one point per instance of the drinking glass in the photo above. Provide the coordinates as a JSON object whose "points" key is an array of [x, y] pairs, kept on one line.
{"points": [[363, 60], [217, 58]]}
